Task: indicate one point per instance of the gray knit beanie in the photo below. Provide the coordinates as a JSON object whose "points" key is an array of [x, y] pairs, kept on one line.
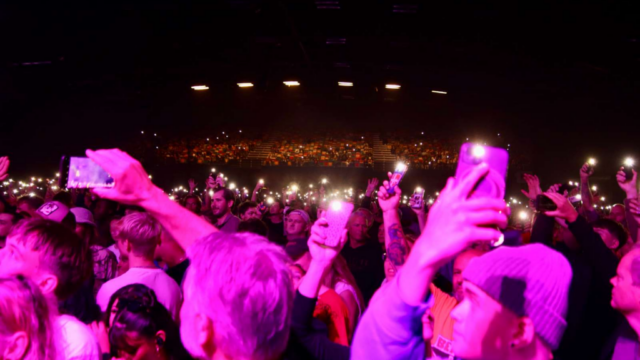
{"points": [[530, 280]]}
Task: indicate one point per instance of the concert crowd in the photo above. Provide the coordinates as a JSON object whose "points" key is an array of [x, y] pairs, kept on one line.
{"points": [[132, 272]]}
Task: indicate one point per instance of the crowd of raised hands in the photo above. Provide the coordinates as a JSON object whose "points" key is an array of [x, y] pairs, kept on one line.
{"points": [[128, 272]]}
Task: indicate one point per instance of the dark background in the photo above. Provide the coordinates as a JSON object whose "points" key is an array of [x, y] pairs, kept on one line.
{"points": [[561, 77]]}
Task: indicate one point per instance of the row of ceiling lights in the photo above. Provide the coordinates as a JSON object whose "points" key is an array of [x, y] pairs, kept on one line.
{"points": [[296, 83]]}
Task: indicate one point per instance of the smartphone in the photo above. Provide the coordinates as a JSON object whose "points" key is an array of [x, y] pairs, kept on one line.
{"points": [[418, 198], [565, 187], [337, 216], [82, 173], [396, 177], [544, 203], [628, 172], [493, 184]]}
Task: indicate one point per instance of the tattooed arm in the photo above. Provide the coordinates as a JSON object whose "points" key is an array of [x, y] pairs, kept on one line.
{"points": [[394, 238]]}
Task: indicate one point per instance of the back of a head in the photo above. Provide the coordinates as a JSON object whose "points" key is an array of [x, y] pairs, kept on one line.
{"points": [[64, 197], [140, 315], [34, 202], [255, 226], [24, 308], [242, 283], [615, 228], [142, 231], [530, 280], [242, 208], [60, 250]]}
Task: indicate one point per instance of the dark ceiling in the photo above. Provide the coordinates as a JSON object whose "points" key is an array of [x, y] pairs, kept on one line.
{"points": [[563, 75]]}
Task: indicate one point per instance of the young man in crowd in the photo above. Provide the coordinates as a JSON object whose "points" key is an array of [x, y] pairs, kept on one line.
{"points": [[172, 254], [193, 204], [228, 272], [141, 236], [441, 327], [363, 256], [248, 210], [298, 226], [625, 298], [53, 257], [274, 219], [221, 205], [515, 298], [7, 221], [27, 205]]}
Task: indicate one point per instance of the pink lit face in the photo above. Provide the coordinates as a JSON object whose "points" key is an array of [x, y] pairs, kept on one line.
{"points": [[139, 348], [427, 325], [296, 226], [192, 205], [609, 240], [617, 213], [625, 296], [357, 228], [18, 259], [220, 206], [251, 213], [482, 326]]}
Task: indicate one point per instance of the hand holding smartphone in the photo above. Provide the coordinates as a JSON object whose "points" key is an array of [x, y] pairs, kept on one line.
{"points": [[417, 198], [82, 173], [543, 203], [337, 216], [491, 185], [396, 177]]}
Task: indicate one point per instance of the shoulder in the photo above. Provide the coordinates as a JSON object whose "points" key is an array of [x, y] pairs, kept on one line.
{"points": [[78, 341]]}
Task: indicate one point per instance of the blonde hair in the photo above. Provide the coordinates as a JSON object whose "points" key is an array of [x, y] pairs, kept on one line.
{"points": [[142, 231], [243, 283], [24, 308], [364, 213]]}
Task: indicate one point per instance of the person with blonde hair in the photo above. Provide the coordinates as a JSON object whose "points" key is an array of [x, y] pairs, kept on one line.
{"points": [[25, 321], [363, 255], [140, 237]]}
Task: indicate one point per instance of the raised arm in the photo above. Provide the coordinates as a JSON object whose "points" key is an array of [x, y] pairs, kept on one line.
{"points": [[630, 187], [256, 190], [391, 328], [591, 244], [322, 256], [132, 186], [395, 242], [585, 189], [4, 167]]}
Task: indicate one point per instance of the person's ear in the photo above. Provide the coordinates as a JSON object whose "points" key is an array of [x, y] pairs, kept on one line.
{"points": [[127, 245], [525, 333], [47, 283], [16, 346], [615, 244], [230, 204], [161, 339], [204, 334]]}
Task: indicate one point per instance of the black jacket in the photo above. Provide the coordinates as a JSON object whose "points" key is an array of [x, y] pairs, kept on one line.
{"points": [[590, 318]]}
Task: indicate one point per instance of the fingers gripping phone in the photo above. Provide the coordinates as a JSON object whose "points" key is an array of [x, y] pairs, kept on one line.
{"points": [[418, 198], [543, 203], [396, 177], [337, 216], [82, 173], [491, 185]]}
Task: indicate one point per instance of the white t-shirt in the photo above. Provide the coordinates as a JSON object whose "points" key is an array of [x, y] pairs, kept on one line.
{"points": [[76, 340], [166, 289]]}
